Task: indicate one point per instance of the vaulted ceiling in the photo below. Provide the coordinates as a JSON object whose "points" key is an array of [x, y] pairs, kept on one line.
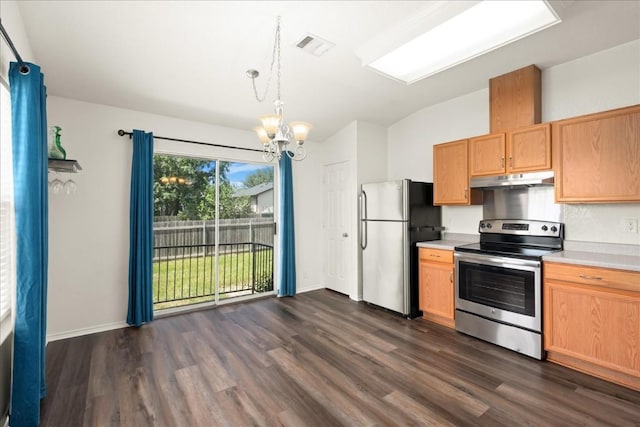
{"points": [[188, 59]]}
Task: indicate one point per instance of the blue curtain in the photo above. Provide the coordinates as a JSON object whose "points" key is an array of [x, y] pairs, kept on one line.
{"points": [[29, 128], [287, 266], [141, 231]]}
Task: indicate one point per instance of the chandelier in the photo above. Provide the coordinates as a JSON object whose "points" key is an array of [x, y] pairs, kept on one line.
{"points": [[274, 135]]}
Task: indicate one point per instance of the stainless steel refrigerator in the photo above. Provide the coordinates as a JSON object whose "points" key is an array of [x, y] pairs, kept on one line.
{"points": [[395, 215]]}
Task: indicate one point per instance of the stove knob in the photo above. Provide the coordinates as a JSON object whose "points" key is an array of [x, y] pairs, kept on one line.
{"points": [[545, 228], [489, 225], [482, 225], [554, 228]]}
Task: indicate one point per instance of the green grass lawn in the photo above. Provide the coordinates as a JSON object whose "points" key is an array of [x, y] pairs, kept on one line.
{"points": [[183, 281]]}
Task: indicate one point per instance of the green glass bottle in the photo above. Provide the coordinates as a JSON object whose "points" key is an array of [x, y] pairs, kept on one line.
{"points": [[55, 146]]}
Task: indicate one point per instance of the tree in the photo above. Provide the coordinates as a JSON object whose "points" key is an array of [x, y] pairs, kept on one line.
{"points": [[258, 177], [185, 188]]}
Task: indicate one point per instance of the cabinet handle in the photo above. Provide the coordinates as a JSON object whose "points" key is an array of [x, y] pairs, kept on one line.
{"points": [[434, 255], [465, 193], [584, 276], [451, 276], [510, 161], [502, 162]]}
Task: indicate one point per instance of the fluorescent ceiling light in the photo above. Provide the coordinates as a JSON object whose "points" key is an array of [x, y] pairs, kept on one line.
{"points": [[478, 29]]}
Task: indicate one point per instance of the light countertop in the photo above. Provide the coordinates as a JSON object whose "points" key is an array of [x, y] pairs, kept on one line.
{"points": [[596, 259], [442, 244], [605, 255]]}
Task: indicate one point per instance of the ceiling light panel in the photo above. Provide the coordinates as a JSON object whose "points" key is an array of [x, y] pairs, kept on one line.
{"points": [[479, 29]]}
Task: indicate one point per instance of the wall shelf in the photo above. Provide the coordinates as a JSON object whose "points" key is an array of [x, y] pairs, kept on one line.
{"points": [[69, 166]]}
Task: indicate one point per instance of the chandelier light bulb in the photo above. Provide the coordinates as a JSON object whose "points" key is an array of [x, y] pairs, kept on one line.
{"points": [[262, 134], [300, 130], [270, 123]]}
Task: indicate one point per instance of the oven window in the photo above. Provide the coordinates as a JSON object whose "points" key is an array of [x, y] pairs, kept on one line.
{"points": [[498, 287]]}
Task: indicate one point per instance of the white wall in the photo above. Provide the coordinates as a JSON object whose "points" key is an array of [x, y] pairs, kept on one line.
{"points": [[372, 152], [411, 142], [12, 22], [606, 80], [89, 231]]}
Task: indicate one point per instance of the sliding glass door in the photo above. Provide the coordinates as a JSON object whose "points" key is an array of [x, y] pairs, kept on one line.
{"points": [[213, 230]]}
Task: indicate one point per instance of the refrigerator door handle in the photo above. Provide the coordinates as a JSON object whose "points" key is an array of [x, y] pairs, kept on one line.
{"points": [[363, 230]]}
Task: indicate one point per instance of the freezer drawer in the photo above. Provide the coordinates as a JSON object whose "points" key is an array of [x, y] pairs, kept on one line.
{"points": [[385, 266]]}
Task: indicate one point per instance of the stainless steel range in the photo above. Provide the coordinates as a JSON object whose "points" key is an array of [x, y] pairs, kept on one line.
{"points": [[499, 282]]}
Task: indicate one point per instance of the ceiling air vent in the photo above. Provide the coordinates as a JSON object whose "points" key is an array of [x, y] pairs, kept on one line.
{"points": [[314, 45]]}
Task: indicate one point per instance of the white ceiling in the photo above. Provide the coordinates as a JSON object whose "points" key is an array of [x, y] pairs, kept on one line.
{"points": [[188, 59]]}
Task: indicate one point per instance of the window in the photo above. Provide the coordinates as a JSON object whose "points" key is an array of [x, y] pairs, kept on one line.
{"points": [[7, 225]]}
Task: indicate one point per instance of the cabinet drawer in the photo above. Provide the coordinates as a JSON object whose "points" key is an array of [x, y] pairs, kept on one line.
{"points": [[436, 255], [594, 276]]}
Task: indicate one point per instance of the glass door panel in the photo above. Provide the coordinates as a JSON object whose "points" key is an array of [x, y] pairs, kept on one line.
{"points": [[246, 225], [213, 230]]}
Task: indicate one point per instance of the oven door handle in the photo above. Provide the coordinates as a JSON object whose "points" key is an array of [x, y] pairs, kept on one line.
{"points": [[497, 261]]}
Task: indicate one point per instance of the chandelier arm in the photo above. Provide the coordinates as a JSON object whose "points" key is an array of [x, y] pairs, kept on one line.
{"points": [[300, 153]]}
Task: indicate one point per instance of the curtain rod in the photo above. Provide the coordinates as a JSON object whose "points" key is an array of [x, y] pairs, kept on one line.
{"points": [[24, 68], [123, 133]]}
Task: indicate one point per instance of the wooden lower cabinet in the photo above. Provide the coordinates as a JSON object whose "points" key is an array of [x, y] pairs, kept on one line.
{"points": [[436, 282], [592, 321]]}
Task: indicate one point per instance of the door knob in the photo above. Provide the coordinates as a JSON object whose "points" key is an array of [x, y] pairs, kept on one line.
{"points": [[345, 235]]}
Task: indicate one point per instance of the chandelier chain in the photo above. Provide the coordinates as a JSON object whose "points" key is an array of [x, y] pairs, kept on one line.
{"points": [[277, 138], [275, 51], [277, 42]]}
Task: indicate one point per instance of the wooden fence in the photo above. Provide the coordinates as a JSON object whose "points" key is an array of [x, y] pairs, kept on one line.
{"points": [[168, 234]]}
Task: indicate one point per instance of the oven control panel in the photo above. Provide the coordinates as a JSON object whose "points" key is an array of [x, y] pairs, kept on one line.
{"points": [[525, 227]]}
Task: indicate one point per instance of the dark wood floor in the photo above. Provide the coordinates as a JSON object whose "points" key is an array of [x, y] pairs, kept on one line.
{"points": [[316, 359]]}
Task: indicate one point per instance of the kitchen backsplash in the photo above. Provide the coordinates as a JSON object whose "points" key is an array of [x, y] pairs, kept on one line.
{"points": [[521, 203], [601, 223]]}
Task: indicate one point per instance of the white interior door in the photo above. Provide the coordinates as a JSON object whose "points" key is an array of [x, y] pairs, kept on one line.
{"points": [[337, 227]]}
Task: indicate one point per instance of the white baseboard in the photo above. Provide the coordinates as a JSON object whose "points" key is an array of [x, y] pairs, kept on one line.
{"points": [[309, 288], [86, 331]]}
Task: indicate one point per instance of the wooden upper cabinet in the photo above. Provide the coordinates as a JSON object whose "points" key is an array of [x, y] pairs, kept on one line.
{"points": [[451, 174], [487, 155], [519, 150], [597, 157], [529, 149], [515, 99]]}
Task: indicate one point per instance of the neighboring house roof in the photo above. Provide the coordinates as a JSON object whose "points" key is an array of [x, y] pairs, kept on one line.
{"points": [[254, 191]]}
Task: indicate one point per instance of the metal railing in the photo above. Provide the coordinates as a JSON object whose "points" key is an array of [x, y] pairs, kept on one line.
{"points": [[186, 274]]}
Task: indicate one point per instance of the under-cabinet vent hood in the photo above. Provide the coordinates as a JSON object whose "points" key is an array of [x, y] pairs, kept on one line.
{"points": [[515, 180]]}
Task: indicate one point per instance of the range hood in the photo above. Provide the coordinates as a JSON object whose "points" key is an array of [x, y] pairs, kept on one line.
{"points": [[515, 180]]}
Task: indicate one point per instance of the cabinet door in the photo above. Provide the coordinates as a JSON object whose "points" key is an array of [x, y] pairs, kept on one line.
{"points": [[487, 155], [437, 292], [515, 99], [450, 174], [597, 157], [593, 330], [529, 149]]}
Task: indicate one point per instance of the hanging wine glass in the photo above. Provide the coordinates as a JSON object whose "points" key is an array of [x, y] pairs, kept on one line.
{"points": [[70, 187], [57, 186]]}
